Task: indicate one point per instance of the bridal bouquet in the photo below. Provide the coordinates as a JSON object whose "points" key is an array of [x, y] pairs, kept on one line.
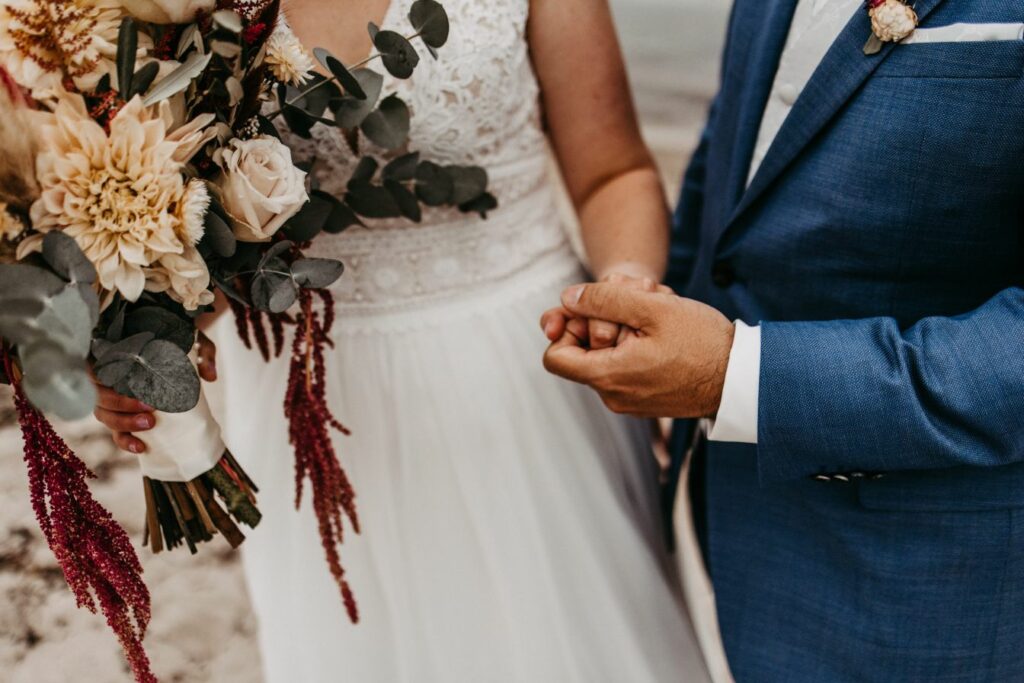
{"points": [[142, 171]]}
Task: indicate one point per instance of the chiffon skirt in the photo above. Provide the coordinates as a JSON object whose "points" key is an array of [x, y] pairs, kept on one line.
{"points": [[510, 524]]}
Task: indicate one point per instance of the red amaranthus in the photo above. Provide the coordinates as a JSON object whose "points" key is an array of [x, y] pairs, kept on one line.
{"points": [[309, 423], [93, 550]]}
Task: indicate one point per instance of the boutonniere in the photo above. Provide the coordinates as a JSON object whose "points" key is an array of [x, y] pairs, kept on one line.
{"points": [[891, 22]]}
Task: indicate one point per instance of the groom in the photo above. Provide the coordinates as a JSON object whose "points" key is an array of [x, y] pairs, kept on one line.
{"points": [[862, 217]]}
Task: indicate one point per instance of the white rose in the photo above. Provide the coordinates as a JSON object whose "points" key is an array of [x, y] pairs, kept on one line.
{"points": [[167, 11], [261, 188]]}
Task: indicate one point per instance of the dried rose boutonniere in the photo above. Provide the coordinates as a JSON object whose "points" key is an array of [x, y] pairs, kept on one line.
{"points": [[891, 22]]}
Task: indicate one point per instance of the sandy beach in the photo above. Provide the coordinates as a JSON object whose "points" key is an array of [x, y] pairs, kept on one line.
{"points": [[203, 630]]}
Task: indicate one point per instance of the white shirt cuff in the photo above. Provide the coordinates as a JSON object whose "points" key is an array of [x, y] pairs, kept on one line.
{"points": [[737, 415]]}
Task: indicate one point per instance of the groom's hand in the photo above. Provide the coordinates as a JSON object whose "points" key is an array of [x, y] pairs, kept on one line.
{"points": [[673, 367]]}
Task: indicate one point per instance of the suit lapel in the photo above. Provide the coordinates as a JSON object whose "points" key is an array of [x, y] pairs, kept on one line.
{"points": [[757, 83], [841, 73]]}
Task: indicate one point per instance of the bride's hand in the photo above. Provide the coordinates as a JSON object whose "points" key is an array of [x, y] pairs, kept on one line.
{"points": [[125, 417], [597, 334]]}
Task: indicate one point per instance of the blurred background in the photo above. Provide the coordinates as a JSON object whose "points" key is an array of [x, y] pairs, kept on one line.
{"points": [[202, 629]]}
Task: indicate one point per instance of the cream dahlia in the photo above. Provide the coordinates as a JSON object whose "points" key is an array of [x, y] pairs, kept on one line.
{"points": [[287, 57], [41, 40], [122, 195]]}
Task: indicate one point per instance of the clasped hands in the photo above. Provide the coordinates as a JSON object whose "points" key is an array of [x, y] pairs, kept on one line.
{"points": [[646, 351]]}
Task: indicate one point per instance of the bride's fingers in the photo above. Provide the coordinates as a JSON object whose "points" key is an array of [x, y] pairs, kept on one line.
{"points": [[110, 400], [578, 328], [553, 322], [127, 442], [603, 334], [125, 422], [207, 353]]}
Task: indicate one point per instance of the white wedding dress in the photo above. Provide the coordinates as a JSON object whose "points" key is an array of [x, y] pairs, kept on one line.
{"points": [[511, 528]]}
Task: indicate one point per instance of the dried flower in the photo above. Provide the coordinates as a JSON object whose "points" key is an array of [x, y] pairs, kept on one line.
{"points": [[121, 194], [18, 187], [168, 11], [287, 57], [92, 549], [41, 41], [892, 20], [261, 187], [10, 225], [11, 228], [309, 423]]}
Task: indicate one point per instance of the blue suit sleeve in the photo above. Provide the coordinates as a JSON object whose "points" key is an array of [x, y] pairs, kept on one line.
{"points": [[863, 395]]}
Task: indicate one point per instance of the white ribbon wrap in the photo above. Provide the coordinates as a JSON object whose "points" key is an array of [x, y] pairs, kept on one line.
{"points": [[181, 446]]}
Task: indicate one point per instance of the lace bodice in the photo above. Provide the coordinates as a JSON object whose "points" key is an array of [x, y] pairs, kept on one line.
{"points": [[477, 104]]}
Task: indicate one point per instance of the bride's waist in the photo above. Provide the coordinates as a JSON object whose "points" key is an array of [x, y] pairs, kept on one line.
{"points": [[395, 268]]}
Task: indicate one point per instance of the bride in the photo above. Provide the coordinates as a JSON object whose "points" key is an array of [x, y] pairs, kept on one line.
{"points": [[511, 527]]}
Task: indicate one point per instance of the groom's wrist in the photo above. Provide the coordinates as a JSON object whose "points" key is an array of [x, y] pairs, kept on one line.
{"points": [[719, 368]]}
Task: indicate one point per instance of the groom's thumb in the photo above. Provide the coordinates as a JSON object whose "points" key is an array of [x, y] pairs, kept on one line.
{"points": [[612, 302]]}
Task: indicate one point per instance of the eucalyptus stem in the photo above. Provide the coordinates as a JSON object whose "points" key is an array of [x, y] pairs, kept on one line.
{"points": [[333, 79]]}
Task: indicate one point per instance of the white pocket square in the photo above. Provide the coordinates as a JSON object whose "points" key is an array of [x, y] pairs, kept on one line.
{"points": [[966, 33]]}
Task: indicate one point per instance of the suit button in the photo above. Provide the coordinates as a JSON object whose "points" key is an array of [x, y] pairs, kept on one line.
{"points": [[722, 274]]}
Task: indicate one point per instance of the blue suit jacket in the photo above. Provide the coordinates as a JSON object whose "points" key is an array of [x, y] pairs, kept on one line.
{"points": [[890, 208]]}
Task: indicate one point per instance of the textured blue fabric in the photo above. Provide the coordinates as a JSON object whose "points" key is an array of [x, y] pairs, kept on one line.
{"points": [[889, 212]]}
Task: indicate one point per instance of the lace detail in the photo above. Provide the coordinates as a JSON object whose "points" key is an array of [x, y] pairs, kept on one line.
{"points": [[477, 104]]}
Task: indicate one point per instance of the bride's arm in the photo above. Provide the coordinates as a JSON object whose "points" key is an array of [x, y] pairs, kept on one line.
{"points": [[609, 172]]}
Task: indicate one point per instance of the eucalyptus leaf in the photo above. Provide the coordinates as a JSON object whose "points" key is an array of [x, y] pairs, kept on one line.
{"points": [[371, 200], [406, 200], [162, 376], [127, 48], [267, 127], [273, 288], [163, 324], [481, 205], [468, 183], [275, 251], [218, 235], [430, 20], [350, 112], [316, 273], [314, 97], [434, 186], [365, 170], [402, 168], [179, 79], [24, 281], [348, 81], [399, 56], [115, 329], [34, 310], [55, 382], [62, 253], [310, 220], [342, 217], [68, 321], [388, 126], [115, 361]]}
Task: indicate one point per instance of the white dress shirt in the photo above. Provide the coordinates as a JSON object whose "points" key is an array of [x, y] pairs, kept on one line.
{"points": [[816, 25]]}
